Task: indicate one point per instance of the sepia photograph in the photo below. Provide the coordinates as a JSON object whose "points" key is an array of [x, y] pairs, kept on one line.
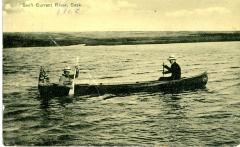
{"points": [[121, 73]]}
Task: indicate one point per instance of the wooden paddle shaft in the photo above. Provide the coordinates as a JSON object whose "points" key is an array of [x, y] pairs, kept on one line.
{"points": [[163, 69]]}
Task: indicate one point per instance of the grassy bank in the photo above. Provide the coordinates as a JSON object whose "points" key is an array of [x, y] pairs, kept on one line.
{"points": [[11, 40]]}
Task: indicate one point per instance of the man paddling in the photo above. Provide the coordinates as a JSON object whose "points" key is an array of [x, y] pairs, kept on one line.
{"points": [[174, 69], [66, 78]]}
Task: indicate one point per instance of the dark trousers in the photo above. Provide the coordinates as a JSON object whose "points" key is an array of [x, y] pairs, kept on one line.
{"points": [[165, 79]]}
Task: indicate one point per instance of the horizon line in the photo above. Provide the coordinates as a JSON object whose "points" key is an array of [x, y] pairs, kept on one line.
{"points": [[122, 31]]}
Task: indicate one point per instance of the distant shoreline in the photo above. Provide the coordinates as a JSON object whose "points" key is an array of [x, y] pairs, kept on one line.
{"points": [[12, 40]]}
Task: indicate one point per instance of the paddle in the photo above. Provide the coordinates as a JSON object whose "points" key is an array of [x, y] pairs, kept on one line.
{"points": [[71, 92], [163, 69]]}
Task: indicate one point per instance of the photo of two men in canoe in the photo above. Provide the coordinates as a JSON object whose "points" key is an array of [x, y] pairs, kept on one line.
{"points": [[67, 85]]}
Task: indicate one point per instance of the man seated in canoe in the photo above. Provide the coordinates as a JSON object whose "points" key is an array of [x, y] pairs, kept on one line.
{"points": [[67, 77], [174, 69]]}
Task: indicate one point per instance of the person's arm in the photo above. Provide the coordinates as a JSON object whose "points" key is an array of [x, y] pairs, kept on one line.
{"points": [[168, 69], [61, 80], [165, 66], [77, 72]]}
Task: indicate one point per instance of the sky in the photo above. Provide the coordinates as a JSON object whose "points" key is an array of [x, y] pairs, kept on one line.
{"points": [[121, 15]]}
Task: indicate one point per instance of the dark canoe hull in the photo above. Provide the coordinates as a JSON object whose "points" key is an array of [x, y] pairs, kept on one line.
{"points": [[194, 82], [53, 90]]}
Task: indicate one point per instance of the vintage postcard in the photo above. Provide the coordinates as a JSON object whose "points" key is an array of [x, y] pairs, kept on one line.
{"points": [[121, 72]]}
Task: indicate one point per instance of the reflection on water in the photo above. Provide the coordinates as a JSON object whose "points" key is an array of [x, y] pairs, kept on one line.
{"points": [[206, 117]]}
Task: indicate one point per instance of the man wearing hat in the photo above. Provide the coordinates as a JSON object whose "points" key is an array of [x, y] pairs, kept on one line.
{"points": [[175, 69], [66, 78]]}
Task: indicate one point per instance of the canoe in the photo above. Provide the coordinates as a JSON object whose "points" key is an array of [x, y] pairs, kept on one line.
{"points": [[53, 90], [194, 82]]}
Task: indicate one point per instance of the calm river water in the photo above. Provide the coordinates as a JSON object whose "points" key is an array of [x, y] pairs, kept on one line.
{"points": [[206, 117]]}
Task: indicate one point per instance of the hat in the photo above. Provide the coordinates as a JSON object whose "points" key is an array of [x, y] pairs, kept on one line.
{"points": [[67, 68], [172, 57]]}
